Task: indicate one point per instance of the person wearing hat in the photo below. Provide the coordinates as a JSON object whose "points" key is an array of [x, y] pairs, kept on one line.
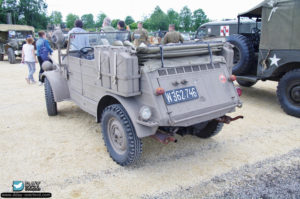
{"points": [[78, 41], [140, 35], [172, 36]]}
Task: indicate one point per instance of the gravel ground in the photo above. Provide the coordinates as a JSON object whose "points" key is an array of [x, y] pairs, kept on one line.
{"points": [[257, 157], [277, 177]]}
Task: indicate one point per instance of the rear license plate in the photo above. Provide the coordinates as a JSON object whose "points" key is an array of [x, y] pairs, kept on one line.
{"points": [[181, 95]]}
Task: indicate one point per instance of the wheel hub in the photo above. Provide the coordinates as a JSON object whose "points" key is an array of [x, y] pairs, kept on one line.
{"points": [[117, 136], [236, 56], [295, 94]]}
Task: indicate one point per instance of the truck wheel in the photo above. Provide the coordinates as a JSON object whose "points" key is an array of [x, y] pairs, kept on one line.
{"points": [[1, 57], [50, 103], [243, 54], [208, 129], [119, 135], [11, 56], [245, 83], [288, 92]]}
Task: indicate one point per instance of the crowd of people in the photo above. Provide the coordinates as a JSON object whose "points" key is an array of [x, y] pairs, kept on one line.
{"points": [[43, 49]]}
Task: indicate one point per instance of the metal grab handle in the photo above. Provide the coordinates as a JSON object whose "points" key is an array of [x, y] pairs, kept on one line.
{"points": [[115, 68], [99, 65]]}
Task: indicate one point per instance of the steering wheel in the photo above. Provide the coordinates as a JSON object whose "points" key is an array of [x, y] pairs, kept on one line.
{"points": [[86, 50]]}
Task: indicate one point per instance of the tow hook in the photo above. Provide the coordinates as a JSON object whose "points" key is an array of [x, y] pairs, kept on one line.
{"points": [[164, 137], [227, 119]]}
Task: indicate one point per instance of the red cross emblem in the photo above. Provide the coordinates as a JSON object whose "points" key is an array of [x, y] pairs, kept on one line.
{"points": [[224, 31]]}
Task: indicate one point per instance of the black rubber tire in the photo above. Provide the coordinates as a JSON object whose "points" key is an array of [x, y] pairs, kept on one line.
{"points": [[50, 102], [245, 83], [290, 80], [211, 128], [11, 56], [246, 57], [1, 57], [134, 144]]}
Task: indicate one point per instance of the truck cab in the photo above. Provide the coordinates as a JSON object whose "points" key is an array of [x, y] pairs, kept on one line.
{"points": [[272, 52]]}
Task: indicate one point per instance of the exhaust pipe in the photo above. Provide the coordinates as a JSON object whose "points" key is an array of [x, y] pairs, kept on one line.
{"points": [[163, 137]]}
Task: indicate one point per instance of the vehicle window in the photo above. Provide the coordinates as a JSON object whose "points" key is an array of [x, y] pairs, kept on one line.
{"points": [[201, 33]]}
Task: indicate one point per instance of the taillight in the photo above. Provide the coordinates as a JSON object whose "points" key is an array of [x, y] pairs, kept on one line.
{"points": [[232, 78], [159, 91], [239, 91]]}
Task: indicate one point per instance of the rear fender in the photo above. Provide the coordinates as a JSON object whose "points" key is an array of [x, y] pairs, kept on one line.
{"points": [[58, 84], [132, 109]]}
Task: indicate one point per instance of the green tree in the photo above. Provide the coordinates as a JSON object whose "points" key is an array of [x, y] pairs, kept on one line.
{"points": [[70, 19], [173, 18], [56, 18], [133, 26], [129, 20], [114, 22], [9, 6], [88, 21], [158, 20], [199, 18], [185, 19], [100, 19]]}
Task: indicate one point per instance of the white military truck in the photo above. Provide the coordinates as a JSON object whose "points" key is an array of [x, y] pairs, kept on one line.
{"points": [[146, 91]]}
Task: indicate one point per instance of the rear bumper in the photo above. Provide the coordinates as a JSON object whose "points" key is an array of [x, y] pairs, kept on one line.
{"points": [[184, 120]]}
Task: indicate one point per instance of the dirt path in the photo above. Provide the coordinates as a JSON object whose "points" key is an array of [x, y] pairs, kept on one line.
{"points": [[68, 155]]}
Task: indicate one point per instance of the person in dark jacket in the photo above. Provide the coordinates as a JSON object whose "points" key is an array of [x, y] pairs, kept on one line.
{"points": [[39, 43], [122, 34]]}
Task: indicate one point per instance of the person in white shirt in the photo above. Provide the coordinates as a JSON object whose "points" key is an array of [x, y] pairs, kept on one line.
{"points": [[28, 57], [78, 41]]}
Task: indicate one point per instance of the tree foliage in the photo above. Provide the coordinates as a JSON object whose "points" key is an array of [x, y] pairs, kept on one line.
{"points": [[27, 12], [101, 16], [158, 20], [185, 18], [70, 20], [88, 21], [199, 18], [56, 18], [34, 13], [129, 20], [173, 18]]}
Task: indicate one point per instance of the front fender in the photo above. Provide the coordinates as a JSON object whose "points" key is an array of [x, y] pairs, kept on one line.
{"points": [[58, 84]]}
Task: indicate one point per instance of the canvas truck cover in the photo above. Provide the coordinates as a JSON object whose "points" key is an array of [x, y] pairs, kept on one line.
{"points": [[8, 27], [280, 24]]}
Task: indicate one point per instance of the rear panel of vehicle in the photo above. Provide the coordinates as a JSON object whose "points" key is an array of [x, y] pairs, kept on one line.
{"points": [[196, 93]]}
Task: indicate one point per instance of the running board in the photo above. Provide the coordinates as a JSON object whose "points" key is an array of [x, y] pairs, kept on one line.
{"points": [[247, 78]]}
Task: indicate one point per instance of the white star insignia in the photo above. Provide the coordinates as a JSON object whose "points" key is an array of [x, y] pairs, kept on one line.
{"points": [[274, 60]]}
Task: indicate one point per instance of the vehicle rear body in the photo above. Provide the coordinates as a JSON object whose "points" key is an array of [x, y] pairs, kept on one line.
{"points": [[193, 93], [146, 91]]}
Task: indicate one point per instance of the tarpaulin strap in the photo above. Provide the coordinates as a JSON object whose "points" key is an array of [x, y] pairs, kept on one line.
{"points": [[161, 55], [263, 62], [99, 65], [210, 54], [272, 12], [115, 68]]}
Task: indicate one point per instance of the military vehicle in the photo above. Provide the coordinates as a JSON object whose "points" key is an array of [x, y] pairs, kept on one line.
{"points": [[12, 38], [147, 91], [227, 27], [272, 52]]}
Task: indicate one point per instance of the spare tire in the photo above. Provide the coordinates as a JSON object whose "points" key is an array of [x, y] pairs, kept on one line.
{"points": [[243, 54]]}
